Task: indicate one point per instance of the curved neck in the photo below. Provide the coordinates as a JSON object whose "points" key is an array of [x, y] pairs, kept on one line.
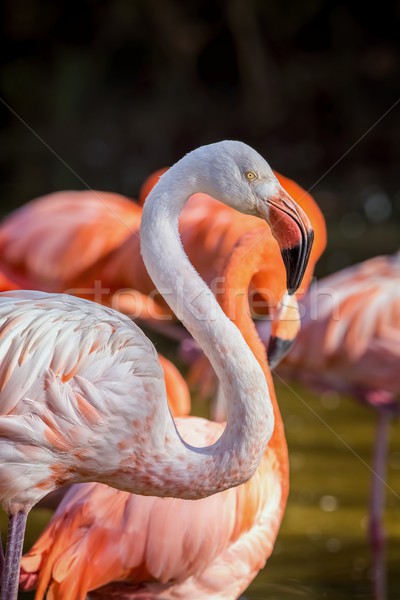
{"points": [[246, 260], [235, 456]]}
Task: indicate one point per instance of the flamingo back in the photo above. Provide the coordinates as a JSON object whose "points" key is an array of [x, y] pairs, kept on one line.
{"points": [[64, 233], [66, 381], [349, 336]]}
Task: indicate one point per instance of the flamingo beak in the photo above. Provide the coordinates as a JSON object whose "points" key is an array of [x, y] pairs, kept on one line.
{"points": [[284, 331], [277, 350], [292, 229]]}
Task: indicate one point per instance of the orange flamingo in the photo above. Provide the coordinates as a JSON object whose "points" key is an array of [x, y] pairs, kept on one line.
{"points": [[74, 239], [134, 547], [64, 234], [282, 325], [82, 394], [350, 342]]}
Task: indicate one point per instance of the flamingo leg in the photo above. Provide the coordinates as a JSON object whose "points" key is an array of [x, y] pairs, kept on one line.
{"points": [[15, 540], [376, 531]]}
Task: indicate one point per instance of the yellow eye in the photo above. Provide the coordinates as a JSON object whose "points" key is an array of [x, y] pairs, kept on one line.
{"points": [[251, 175]]}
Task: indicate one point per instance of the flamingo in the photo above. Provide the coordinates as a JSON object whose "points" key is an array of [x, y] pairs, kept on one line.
{"points": [[127, 546], [87, 243], [281, 326], [82, 392], [176, 389], [178, 397], [349, 342], [65, 233]]}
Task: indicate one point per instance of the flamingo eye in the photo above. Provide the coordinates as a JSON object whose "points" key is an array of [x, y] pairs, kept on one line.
{"points": [[250, 175]]}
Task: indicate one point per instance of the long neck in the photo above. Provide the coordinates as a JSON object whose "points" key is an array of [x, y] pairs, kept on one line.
{"points": [[235, 456], [249, 256]]}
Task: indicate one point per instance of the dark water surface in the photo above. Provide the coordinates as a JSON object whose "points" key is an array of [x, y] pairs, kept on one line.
{"points": [[321, 552]]}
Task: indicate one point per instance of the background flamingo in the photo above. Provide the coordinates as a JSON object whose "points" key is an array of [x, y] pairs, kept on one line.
{"points": [[283, 324], [171, 548], [82, 391], [74, 239], [64, 234], [350, 342]]}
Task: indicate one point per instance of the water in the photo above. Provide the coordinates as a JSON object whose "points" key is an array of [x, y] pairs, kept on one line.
{"points": [[321, 551]]}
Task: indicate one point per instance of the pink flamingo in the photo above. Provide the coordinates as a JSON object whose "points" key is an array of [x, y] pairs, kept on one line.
{"points": [[127, 546], [178, 397], [350, 342], [82, 391]]}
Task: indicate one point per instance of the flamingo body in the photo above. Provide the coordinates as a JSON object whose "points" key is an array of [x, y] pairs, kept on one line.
{"points": [[111, 544], [157, 547], [349, 338], [66, 409], [64, 234]]}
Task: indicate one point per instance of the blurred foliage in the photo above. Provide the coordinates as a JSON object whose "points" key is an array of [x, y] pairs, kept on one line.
{"points": [[102, 92]]}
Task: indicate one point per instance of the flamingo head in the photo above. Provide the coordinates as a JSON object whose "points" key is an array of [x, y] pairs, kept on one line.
{"points": [[237, 175]]}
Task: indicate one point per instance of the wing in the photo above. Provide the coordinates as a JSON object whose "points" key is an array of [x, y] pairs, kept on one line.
{"points": [[63, 234], [99, 535], [69, 337], [73, 377]]}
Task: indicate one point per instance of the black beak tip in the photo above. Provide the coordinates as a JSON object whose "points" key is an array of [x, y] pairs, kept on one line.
{"points": [[293, 260], [277, 350], [296, 260]]}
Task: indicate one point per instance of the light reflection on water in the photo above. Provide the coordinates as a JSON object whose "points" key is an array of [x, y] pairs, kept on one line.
{"points": [[321, 552]]}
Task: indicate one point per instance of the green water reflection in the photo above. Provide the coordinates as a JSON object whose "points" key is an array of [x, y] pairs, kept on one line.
{"points": [[321, 551]]}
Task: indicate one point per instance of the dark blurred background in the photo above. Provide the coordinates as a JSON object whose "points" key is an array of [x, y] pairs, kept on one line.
{"points": [[119, 88]]}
